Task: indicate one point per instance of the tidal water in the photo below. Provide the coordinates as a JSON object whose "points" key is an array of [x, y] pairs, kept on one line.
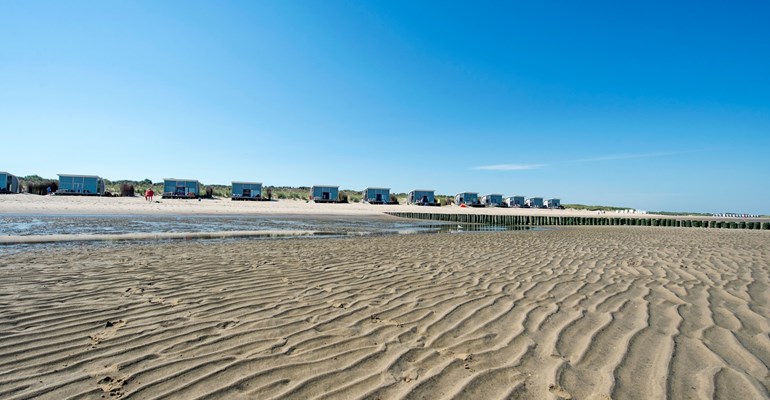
{"points": [[333, 226]]}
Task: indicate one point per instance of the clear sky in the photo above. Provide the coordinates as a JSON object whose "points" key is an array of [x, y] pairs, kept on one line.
{"points": [[654, 105]]}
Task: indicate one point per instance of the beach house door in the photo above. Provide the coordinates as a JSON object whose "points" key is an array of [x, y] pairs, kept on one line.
{"points": [[326, 196], [379, 197], [246, 192]]}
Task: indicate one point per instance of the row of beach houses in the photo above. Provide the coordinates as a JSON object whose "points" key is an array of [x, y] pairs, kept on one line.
{"points": [[191, 188]]}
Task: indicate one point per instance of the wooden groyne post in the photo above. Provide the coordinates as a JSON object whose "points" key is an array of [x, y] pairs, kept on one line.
{"points": [[543, 220]]}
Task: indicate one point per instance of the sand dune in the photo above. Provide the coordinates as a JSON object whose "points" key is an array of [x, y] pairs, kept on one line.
{"points": [[583, 313]]}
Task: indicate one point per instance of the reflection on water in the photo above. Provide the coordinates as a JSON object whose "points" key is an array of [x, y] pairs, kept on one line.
{"points": [[24, 225], [67, 225]]}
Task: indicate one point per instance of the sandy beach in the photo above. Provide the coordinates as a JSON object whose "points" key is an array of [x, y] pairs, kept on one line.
{"points": [[32, 204], [581, 313]]}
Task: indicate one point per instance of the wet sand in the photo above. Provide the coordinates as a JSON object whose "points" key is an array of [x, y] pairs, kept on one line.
{"points": [[583, 313]]}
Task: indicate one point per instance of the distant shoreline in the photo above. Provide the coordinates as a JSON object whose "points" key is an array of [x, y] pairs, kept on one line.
{"points": [[30, 205]]}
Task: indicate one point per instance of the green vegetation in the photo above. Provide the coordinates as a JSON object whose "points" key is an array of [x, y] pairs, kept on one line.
{"points": [[35, 179], [400, 196], [594, 208], [681, 213], [612, 208], [286, 192], [139, 186], [36, 184], [352, 195], [445, 200]]}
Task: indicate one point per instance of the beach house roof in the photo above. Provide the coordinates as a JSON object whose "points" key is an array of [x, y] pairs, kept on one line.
{"points": [[82, 176], [182, 180]]}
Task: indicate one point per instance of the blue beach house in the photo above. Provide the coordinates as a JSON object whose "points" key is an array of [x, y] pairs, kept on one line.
{"points": [[553, 203], [85, 185], [247, 191], [421, 197], [325, 194], [492, 200], [468, 198], [534, 202], [9, 183], [515, 201], [376, 195], [181, 188]]}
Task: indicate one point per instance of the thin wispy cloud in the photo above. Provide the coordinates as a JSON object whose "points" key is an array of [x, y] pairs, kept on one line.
{"points": [[614, 157], [509, 167]]}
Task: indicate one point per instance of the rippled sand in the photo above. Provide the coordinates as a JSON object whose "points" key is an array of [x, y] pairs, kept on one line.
{"points": [[583, 313]]}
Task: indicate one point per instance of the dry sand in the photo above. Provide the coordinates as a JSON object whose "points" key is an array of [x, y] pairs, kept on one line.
{"points": [[583, 313], [32, 204]]}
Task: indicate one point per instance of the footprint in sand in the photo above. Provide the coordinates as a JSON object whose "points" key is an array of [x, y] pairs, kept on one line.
{"points": [[339, 305], [110, 329], [559, 392], [112, 386], [227, 324]]}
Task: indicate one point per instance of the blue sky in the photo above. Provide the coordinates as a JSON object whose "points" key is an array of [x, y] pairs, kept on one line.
{"points": [[653, 105]]}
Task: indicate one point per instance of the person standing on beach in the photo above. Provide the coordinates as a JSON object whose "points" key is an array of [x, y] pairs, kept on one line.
{"points": [[148, 194]]}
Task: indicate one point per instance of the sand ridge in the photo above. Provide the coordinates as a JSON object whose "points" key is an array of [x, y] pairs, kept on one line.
{"points": [[583, 313]]}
